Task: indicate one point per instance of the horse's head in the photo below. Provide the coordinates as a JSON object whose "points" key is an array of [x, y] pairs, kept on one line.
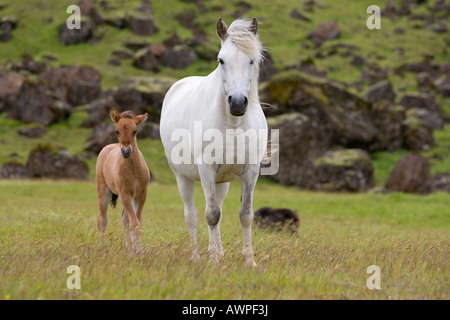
{"points": [[239, 60], [126, 128]]}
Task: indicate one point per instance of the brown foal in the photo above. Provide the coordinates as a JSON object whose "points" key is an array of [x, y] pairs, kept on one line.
{"points": [[122, 172]]}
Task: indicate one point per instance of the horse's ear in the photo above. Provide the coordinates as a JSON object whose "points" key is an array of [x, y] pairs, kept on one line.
{"points": [[115, 115], [221, 29], [141, 118], [254, 25]]}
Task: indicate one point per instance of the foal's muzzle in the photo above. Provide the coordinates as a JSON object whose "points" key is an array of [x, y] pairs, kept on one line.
{"points": [[126, 151], [238, 104]]}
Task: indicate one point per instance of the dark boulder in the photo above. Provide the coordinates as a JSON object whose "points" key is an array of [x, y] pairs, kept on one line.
{"points": [[419, 100], [102, 135], [326, 31], [36, 103], [418, 138], [7, 24], [73, 36], [142, 26], [349, 170], [29, 64], [146, 60], [348, 113], [47, 161], [302, 139], [277, 219], [77, 85], [32, 132], [389, 119], [98, 112], [10, 84], [267, 69], [443, 86], [13, 170], [440, 182], [143, 95], [178, 57], [411, 175], [381, 91]]}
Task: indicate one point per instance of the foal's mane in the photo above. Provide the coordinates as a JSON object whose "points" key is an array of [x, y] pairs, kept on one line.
{"points": [[241, 35], [128, 114]]}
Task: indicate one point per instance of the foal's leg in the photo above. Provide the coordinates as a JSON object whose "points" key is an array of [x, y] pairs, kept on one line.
{"points": [[212, 211], [126, 227], [134, 226], [186, 189], [246, 213], [104, 196]]}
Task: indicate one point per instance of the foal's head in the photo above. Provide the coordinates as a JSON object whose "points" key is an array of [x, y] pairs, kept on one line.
{"points": [[126, 128], [239, 59]]}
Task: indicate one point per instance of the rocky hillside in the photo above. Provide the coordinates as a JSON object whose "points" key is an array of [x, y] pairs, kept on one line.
{"points": [[349, 101]]}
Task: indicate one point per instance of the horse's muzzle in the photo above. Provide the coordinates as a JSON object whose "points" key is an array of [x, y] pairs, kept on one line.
{"points": [[125, 152], [238, 104]]}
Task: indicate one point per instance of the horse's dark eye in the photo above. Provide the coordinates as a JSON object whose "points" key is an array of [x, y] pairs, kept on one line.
{"points": [[117, 132], [251, 61], [134, 132], [220, 61]]}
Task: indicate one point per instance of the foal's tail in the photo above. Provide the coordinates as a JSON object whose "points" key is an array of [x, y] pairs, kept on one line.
{"points": [[113, 200]]}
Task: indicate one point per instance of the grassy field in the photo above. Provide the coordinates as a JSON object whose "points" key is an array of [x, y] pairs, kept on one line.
{"points": [[46, 226]]}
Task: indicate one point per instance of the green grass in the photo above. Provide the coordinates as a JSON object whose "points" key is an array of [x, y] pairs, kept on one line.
{"points": [[47, 226]]}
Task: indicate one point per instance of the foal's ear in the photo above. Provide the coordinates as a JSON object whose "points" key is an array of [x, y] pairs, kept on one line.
{"points": [[221, 29], [115, 115], [254, 25], [141, 118]]}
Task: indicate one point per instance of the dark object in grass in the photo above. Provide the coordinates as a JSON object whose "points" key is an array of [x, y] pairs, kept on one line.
{"points": [[277, 219]]}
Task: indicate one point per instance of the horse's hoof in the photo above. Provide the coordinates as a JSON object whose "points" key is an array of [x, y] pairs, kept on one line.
{"points": [[195, 257]]}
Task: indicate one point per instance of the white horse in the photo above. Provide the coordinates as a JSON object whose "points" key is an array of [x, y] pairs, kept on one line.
{"points": [[226, 102]]}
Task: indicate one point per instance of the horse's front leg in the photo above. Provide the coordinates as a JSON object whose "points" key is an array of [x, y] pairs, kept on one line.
{"points": [[212, 212], [246, 213]]}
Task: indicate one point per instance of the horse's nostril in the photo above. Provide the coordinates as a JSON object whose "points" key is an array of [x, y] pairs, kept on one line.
{"points": [[230, 98], [245, 101]]}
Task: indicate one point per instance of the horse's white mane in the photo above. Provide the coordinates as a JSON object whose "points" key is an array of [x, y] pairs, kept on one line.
{"points": [[240, 34]]}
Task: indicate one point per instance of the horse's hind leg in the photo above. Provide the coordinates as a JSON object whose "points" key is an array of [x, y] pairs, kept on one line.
{"points": [[186, 189]]}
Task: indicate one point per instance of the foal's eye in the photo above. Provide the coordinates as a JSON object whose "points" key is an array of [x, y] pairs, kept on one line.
{"points": [[134, 132], [251, 61], [117, 132], [220, 61]]}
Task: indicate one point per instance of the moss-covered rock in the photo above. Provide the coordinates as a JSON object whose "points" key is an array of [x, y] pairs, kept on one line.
{"points": [[348, 170], [49, 161], [143, 94]]}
